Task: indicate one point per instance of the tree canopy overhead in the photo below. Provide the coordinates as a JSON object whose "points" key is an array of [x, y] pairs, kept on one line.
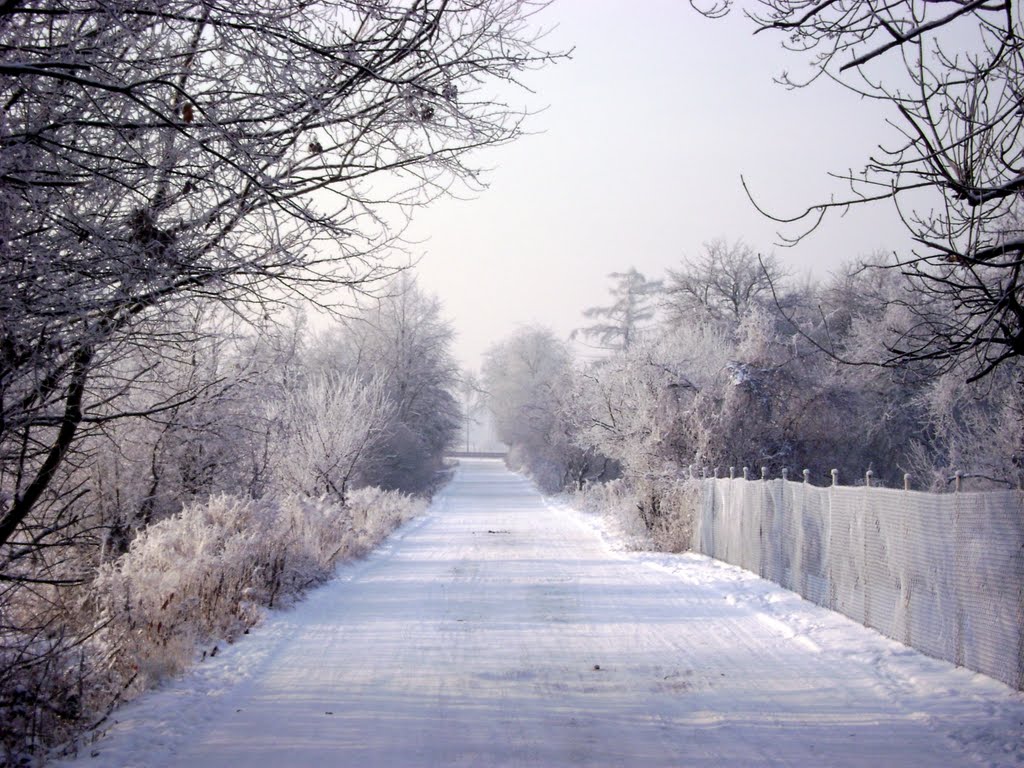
{"points": [[156, 153]]}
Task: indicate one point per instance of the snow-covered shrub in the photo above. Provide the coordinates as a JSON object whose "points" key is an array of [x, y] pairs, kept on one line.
{"points": [[375, 512], [49, 681], [615, 501], [660, 518], [207, 573], [672, 530]]}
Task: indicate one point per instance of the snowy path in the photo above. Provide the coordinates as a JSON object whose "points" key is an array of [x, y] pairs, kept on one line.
{"points": [[502, 631]]}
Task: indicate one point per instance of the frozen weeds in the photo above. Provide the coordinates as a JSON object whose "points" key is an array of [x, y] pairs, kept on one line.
{"points": [[505, 629]]}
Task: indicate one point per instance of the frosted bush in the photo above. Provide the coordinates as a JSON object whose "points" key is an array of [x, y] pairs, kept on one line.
{"points": [[673, 529], [51, 684], [616, 501], [376, 512], [650, 517], [208, 572]]}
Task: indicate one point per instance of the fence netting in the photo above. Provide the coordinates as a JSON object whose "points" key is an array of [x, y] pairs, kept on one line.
{"points": [[943, 573]]}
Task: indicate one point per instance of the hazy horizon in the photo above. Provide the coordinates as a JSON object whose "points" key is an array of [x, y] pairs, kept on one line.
{"points": [[636, 161]]}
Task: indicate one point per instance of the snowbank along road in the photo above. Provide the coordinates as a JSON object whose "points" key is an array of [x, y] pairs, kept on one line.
{"points": [[504, 630]]}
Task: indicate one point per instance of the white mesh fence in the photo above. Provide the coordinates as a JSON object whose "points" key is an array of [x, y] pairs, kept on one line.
{"points": [[943, 573]]}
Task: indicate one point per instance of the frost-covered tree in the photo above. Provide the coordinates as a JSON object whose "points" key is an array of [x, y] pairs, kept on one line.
{"points": [[403, 337], [723, 284], [528, 380], [177, 433], [620, 323], [974, 432], [326, 429], [643, 408], [474, 411]]}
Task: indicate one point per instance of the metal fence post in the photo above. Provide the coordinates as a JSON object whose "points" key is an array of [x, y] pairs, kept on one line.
{"points": [[831, 500]]}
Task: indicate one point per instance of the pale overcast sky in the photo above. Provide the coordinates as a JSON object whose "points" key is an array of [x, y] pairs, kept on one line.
{"points": [[637, 162]]}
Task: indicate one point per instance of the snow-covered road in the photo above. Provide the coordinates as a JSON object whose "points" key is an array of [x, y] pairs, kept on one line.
{"points": [[502, 630]]}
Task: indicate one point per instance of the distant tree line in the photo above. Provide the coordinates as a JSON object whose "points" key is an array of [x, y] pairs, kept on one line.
{"points": [[738, 364], [904, 363]]}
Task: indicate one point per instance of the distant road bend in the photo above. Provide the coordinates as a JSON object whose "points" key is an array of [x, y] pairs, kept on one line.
{"points": [[501, 630]]}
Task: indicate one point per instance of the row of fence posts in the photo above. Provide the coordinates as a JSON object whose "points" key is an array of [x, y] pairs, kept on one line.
{"points": [[868, 476]]}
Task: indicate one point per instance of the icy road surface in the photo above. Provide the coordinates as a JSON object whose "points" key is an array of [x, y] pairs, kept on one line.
{"points": [[501, 630]]}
